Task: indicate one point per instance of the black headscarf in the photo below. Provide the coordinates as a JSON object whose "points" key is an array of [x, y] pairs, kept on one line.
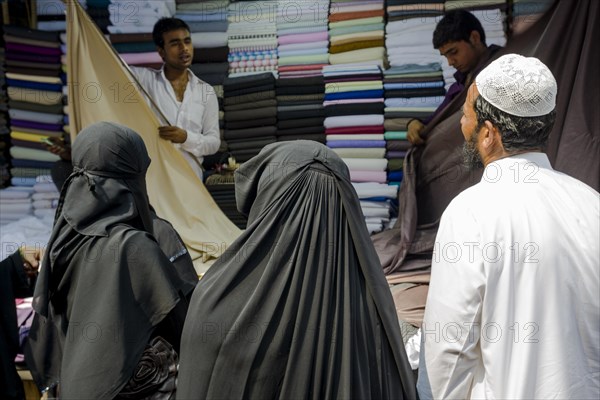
{"points": [[105, 284], [298, 307]]}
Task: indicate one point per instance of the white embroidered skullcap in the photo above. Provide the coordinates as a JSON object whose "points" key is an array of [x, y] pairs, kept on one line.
{"points": [[521, 86]]}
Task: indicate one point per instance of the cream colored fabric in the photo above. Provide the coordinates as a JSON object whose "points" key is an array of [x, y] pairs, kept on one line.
{"points": [[103, 91], [356, 56], [34, 78]]}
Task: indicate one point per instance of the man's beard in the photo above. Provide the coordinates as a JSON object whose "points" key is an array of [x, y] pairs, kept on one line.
{"points": [[471, 158]]}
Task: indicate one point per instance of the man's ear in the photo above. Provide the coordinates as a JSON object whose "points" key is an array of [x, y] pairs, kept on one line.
{"points": [[475, 38], [490, 138], [161, 52]]}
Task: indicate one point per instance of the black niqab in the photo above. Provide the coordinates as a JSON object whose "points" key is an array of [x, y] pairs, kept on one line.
{"points": [[105, 284]]}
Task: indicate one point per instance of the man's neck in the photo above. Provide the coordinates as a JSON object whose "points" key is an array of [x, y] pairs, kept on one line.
{"points": [[504, 154], [482, 57], [175, 74]]}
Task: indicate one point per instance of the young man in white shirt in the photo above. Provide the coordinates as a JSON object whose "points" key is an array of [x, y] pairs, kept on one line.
{"points": [[513, 307], [189, 104]]}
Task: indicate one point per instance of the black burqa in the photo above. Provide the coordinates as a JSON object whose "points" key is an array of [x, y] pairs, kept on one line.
{"points": [[565, 39], [105, 285], [13, 284], [298, 306]]}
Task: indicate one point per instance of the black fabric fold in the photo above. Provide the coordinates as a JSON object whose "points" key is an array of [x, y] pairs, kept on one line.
{"points": [[249, 98], [251, 123], [316, 137], [300, 122], [252, 113], [244, 82], [305, 130], [210, 55], [311, 113], [295, 82], [354, 109], [245, 144], [296, 90], [423, 92], [255, 104], [36, 34], [249, 90], [236, 134]]}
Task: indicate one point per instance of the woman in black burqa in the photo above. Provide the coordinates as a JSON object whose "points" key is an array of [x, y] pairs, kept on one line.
{"points": [[106, 289], [298, 307]]}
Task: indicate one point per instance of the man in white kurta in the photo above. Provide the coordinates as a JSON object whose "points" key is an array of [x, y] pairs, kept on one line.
{"points": [[513, 310], [189, 104]]}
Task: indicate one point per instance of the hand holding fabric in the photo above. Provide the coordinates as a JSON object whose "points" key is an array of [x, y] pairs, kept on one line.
{"points": [[173, 133], [415, 127], [59, 148], [31, 259]]}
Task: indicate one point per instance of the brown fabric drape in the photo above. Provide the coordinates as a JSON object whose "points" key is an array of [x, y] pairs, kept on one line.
{"points": [[364, 44], [566, 40], [345, 16]]}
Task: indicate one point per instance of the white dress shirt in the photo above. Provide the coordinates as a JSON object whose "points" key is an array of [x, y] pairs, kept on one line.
{"points": [[198, 113], [513, 310]]}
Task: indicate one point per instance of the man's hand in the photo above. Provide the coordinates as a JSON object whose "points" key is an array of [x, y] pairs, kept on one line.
{"points": [[172, 133], [415, 127], [31, 259], [59, 148]]}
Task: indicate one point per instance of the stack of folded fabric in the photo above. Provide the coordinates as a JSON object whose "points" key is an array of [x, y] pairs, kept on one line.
{"points": [[222, 189], [250, 114], [378, 201], [208, 25], [356, 32], [212, 161], [354, 123], [300, 111], [4, 131], [252, 37], [131, 27], [411, 91], [98, 12], [526, 13], [409, 31], [302, 37], [18, 226], [354, 126], [45, 197], [35, 90], [136, 49], [51, 15], [207, 20], [491, 14], [414, 84], [66, 137], [15, 203]]}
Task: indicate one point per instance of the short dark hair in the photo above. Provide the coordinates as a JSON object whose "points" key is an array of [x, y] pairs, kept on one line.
{"points": [[456, 25], [165, 25], [518, 133]]}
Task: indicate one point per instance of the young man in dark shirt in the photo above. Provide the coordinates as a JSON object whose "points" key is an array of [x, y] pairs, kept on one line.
{"points": [[460, 38]]}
